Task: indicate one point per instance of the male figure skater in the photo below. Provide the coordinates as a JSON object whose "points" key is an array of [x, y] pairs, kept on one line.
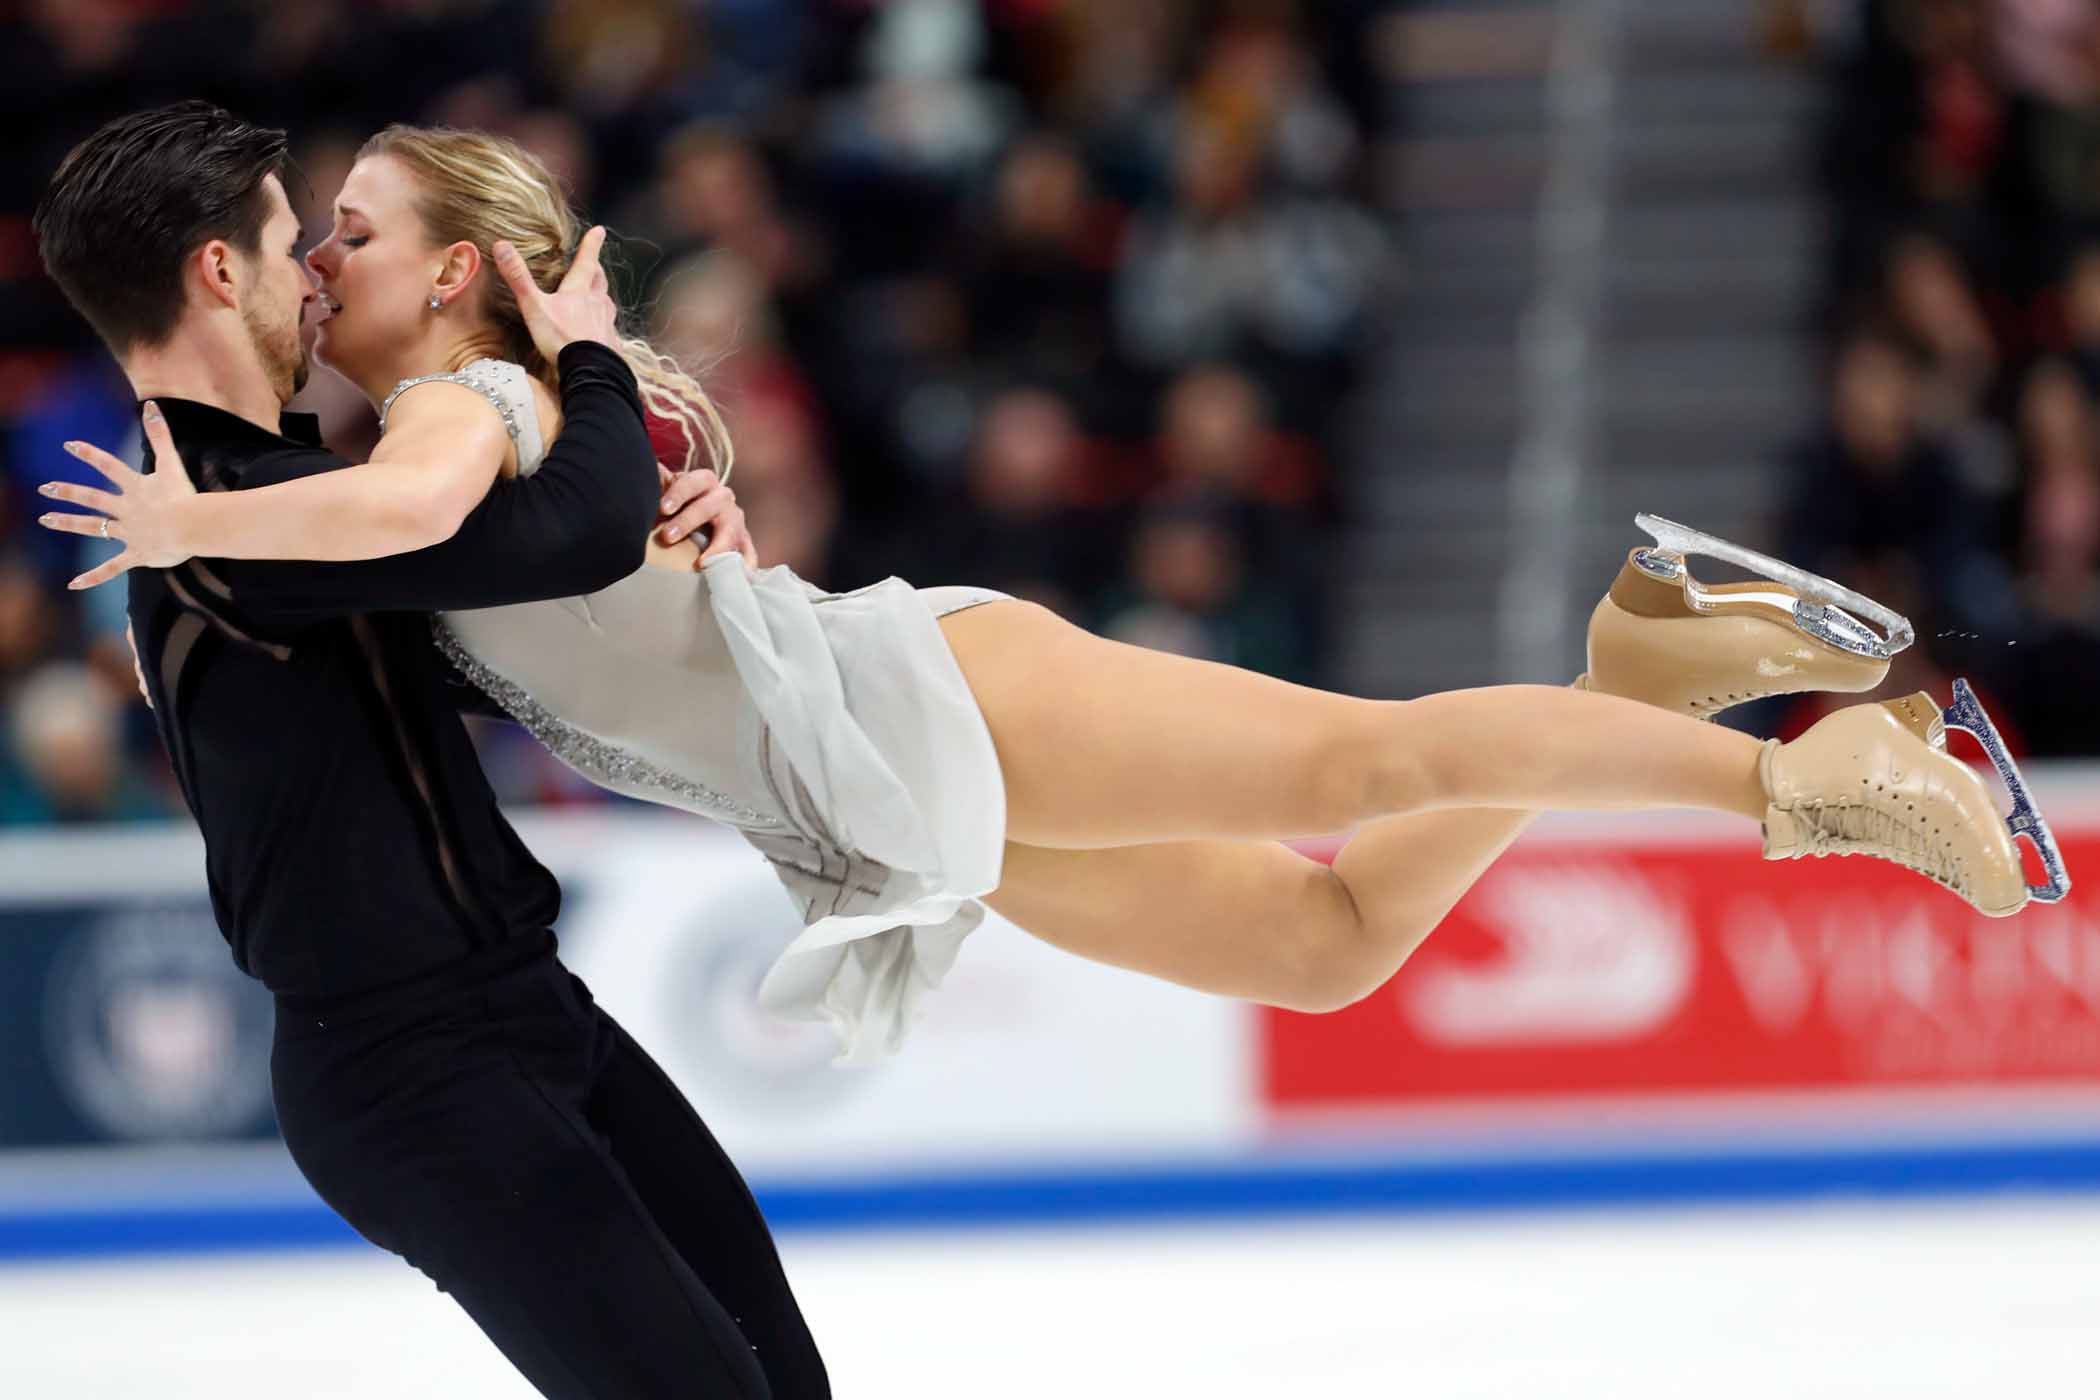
{"points": [[440, 1078]]}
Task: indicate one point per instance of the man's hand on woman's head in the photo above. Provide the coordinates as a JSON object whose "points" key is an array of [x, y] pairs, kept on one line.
{"points": [[698, 500], [581, 308]]}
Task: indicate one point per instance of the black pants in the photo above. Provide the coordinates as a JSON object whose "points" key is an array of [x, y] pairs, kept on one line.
{"points": [[499, 1131]]}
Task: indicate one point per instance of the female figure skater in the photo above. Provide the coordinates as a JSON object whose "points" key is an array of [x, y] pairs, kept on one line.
{"points": [[903, 756]]}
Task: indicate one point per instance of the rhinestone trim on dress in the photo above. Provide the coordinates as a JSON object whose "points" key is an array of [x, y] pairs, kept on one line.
{"points": [[478, 376], [593, 757]]}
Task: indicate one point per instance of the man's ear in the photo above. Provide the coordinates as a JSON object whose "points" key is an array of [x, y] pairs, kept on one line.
{"points": [[462, 263], [214, 272]]}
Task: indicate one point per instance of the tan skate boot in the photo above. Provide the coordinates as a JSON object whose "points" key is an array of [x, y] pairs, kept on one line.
{"points": [[1877, 780], [1662, 637]]}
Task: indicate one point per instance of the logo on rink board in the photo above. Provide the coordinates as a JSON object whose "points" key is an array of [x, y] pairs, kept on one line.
{"points": [[151, 1031], [1615, 969], [1589, 952], [740, 1050]]}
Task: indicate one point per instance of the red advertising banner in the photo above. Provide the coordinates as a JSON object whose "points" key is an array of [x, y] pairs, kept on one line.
{"points": [[1670, 968]]}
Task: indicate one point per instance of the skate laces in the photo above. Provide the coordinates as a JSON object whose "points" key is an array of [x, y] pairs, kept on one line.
{"points": [[1850, 828]]}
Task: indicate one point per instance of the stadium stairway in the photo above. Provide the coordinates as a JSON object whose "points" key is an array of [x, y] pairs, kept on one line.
{"points": [[1607, 215]]}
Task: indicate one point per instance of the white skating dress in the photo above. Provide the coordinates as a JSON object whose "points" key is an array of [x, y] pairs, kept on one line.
{"points": [[834, 730]]}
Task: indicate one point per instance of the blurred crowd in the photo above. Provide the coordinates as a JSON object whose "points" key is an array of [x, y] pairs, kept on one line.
{"points": [[1056, 296], [1957, 473]]}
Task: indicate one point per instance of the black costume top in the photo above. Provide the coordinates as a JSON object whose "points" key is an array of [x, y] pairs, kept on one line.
{"points": [[351, 840]]}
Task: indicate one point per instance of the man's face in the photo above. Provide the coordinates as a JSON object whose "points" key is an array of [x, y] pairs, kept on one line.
{"points": [[276, 295]]}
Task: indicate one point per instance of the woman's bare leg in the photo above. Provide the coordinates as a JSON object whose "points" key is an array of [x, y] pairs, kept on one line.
{"points": [[1111, 751], [1253, 919], [1104, 744]]}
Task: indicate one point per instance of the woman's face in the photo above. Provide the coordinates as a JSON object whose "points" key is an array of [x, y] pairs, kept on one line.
{"points": [[377, 269]]}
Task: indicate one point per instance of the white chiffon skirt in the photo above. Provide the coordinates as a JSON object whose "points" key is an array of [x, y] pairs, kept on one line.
{"points": [[884, 773], [834, 730]]}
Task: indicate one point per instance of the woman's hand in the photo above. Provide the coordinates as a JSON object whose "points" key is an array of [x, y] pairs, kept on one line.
{"points": [[145, 512], [697, 499]]}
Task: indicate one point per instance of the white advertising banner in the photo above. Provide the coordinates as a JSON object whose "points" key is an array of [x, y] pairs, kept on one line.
{"points": [[1025, 1055]]}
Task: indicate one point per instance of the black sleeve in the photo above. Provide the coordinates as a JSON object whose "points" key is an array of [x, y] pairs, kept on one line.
{"points": [[578, 524]]}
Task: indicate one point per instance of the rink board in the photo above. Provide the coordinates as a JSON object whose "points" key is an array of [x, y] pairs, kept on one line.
{"points": [[1623, 1011]]}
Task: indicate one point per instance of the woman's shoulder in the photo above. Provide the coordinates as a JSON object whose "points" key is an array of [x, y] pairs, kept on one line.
{"points": [[490, 368], [532, 410], [506, 377], [501, 382]]}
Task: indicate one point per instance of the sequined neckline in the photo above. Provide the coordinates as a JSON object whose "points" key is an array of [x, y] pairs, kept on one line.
{"points": [[482, 376]]}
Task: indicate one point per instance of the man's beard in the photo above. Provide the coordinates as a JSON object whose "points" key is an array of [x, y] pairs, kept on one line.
{"points": [[282, 352]]}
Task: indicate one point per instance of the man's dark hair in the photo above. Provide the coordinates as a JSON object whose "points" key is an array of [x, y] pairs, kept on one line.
{"points": [[135, 199]]}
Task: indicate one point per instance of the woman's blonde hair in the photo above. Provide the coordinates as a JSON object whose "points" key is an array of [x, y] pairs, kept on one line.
{"points": [[478, 188]]}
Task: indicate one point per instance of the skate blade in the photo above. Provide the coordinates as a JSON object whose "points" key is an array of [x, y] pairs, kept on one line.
{"points": [[1966, 714], [1824, 609]]}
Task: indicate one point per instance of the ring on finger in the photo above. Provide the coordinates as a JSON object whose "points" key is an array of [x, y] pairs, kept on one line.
{"points": [[105, 527]]}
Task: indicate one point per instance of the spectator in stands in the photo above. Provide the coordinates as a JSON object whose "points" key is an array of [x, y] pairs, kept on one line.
{"points": [[1960, 115], [65, 730], [29, 622], [1040, 267], [2056, 422], [87, 37], [2041, 47], [2058, 660], [712, 190], [2081, 315], [1190, 591], [1096, 64], [1218, 440], [625, 66], [786, 488], [2065, 140], [563, 146], [1919, 132], [1257, 75], [1872, 491], [921, 112], [1217, 430], [713, 315], [1935, 307], [1016, 526], [1229, 271], [2062, 547]]}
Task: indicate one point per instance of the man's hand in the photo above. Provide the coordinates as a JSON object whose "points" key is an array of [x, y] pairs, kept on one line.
{"points": [[145, 512], [579, 309], [696, 500]]}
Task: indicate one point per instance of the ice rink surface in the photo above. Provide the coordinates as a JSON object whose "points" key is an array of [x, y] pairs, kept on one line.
{"points": [[1973, 1298]]}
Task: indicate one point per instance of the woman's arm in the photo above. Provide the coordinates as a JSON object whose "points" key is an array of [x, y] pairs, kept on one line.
{"points": [[444, 446], [440, 454], [162, 520]]}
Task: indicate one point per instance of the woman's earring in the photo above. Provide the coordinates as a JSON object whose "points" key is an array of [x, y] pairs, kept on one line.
{"points": [[437, 303]]}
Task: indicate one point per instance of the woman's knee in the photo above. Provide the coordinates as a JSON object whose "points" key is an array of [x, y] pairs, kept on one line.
{"points": [[1337, 989], [1334, 961], [1325, 991]]}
